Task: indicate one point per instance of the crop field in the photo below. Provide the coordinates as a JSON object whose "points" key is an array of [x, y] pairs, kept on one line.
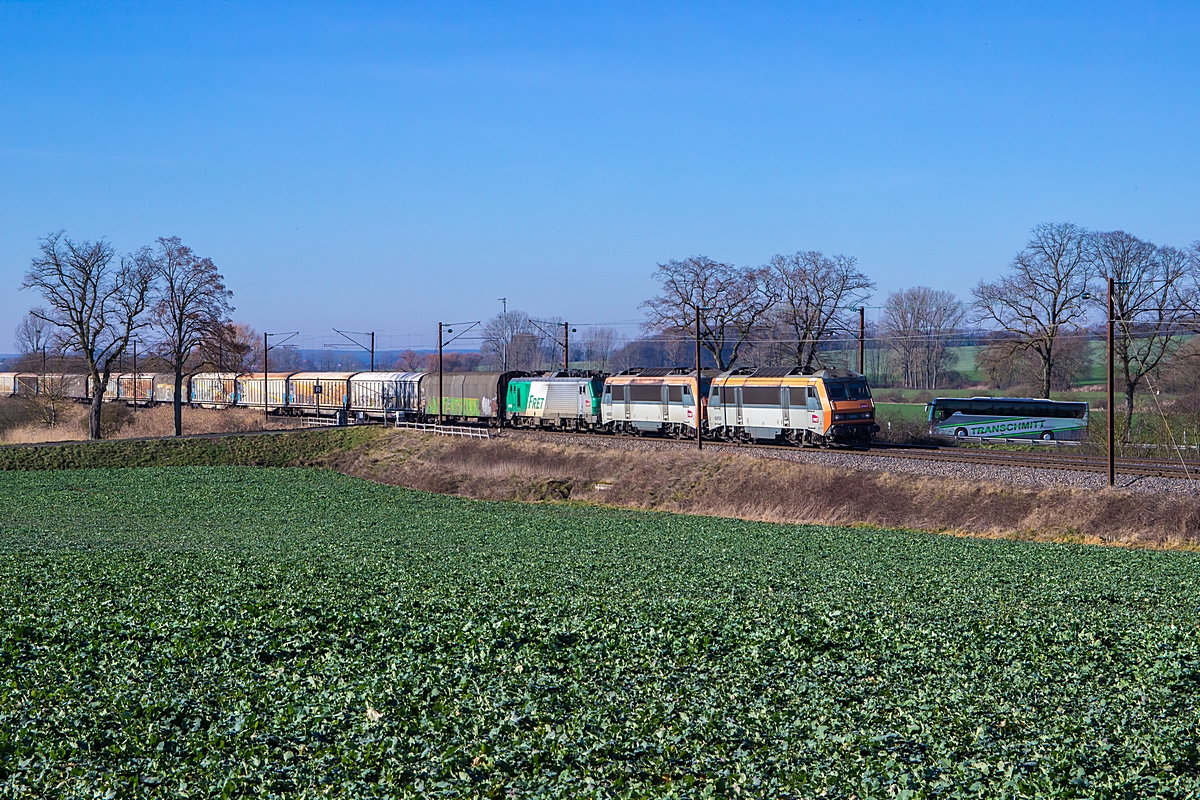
{"points": [[239, 631]]}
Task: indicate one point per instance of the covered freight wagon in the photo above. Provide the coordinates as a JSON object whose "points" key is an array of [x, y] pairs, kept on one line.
{"points": [[318, 392], [467, 396], [250, 390], [375, 394], [214, 389]]}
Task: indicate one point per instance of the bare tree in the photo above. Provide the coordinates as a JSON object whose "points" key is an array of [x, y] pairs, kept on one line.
{"points": [[734, 300], [410, 361], [1044, 293], [816, 294], [598, 345], [1150, 287], [920, 323], [97, 306], [191, 300], [233, 347], [511, 341], [1007, 363], [34, 336]]}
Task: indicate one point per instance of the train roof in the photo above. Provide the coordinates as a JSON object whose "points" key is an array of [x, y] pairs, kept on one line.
{"points": [[322, 376], [388, 376], [785, 372]]}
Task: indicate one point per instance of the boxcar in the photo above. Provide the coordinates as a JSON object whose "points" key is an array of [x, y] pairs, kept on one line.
{"points": [[657, 400], [133, 388], [164, 387], [375, 394], [318, 392], [555, 401], [214, 389], [250, 390], [467, 396], [23, 384]]}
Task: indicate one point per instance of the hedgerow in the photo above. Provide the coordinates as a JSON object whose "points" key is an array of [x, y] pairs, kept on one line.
{"points": [[268, 632], [282, 449]]}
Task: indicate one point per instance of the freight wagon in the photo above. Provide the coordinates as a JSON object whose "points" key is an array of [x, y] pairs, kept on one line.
{"points": [[467, 396]]}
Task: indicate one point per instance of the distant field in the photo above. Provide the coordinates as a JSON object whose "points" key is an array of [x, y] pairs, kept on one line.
{"points": [[248, 631]]}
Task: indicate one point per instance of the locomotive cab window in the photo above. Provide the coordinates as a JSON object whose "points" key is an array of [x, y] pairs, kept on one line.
{"points": [[675, 394], [848, 391], [813, 401]]}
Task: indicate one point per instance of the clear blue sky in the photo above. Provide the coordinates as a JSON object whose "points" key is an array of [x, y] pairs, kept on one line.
{"points": [[386, 166]]}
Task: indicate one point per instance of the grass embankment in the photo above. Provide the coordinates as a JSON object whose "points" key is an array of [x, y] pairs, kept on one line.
{"points": [[236, 632], [745, 487], [768, 489]]}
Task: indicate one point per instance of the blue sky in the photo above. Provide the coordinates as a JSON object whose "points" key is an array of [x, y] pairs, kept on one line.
{"points": [[381, 167]]}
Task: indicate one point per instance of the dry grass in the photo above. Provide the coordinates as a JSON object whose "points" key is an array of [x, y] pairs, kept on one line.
{"points": [[770, 490], [143, 422]]}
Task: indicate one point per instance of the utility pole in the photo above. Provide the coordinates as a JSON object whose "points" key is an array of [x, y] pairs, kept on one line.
{"points": [[1112, 457], [266, 412], [566, 348], [504, 334], [441, 376], [862, 338], [699, 398], [372, 351]]}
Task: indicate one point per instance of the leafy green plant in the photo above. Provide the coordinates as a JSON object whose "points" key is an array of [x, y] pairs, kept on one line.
{"points": [[282, 632]]}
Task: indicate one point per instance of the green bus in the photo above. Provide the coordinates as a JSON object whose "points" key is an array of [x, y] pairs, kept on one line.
{"points": [[1007, 418]]}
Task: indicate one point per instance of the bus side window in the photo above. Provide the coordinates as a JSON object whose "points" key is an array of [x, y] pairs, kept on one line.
{"points": [[813, 400]]}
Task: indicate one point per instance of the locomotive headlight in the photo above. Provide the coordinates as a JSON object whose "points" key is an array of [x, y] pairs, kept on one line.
{"points": [[838, 417]]}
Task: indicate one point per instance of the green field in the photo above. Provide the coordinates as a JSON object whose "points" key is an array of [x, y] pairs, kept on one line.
{"points": [[226, 631]]}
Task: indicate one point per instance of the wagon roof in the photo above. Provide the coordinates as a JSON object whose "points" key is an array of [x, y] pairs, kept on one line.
{"points": [[387, 376], [322, 376], [271, 376]]}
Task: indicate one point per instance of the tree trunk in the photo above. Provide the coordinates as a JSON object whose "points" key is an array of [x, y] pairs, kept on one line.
{"points": [[178, 401], [1129, 389], [1046, 378], [94, 413]]}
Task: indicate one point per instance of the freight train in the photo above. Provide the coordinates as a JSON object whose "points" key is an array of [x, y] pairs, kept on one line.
{"points": [[830, 406]]}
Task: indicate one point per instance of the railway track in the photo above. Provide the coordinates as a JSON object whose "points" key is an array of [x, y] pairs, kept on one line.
{"points": [[1132, 467], [1141, 467]]}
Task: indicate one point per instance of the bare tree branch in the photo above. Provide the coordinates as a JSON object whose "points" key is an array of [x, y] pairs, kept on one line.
{"points": [[735, 300], [1043, 294]]}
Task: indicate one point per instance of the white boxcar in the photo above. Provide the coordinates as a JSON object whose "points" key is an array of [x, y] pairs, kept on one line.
{"points": [[8, 383], [214, 389], [379, 393], [250, 390]]}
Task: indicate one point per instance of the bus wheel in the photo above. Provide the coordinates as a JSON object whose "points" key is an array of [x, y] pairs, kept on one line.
{"points": [[960, 433], [1048, 436]]}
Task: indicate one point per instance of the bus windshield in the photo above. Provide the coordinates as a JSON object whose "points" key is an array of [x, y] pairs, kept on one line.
{"points": [[848, 391]]}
